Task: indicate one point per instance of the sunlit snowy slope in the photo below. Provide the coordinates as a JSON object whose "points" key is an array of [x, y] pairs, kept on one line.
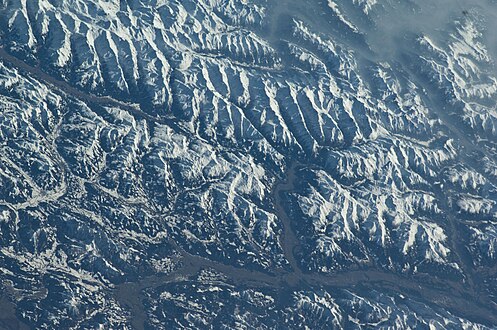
{"points": [[248, 164]]}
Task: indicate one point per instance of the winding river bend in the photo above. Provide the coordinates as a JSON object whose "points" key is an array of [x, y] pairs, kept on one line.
{"points": [[288, 241]]}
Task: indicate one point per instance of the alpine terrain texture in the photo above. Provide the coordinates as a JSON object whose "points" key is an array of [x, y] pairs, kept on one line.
{"points": [[241, 164]]}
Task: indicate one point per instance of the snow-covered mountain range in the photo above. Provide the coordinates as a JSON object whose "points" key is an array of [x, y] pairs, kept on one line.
{"points": [[248, 164]]}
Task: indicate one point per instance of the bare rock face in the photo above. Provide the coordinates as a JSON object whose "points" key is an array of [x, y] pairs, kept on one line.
{"points": [[248, 164]]}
